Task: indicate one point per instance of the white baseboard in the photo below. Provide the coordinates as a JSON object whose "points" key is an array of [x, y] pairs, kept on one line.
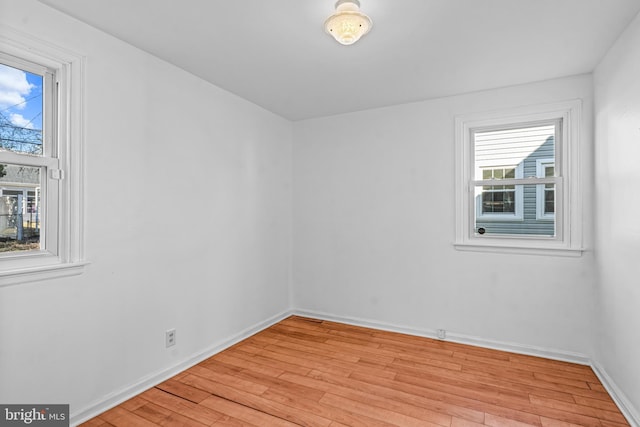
{"points": [[528, 350], [620, 399], [126, 393]]}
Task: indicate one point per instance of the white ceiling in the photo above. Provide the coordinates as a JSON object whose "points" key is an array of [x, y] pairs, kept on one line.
{"points": [[275, 53]]}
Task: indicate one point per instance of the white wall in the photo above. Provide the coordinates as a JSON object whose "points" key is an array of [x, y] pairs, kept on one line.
{"points": [[188, 218], [374, 228], [617, 153]]}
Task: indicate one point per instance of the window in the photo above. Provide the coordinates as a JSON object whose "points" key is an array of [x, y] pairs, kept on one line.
{"points": [[499, 202], [40, 160], [517, 180]]}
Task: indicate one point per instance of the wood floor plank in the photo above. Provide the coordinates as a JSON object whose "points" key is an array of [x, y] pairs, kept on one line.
{"points": [[245, 413], [256, 402], [503, 381], [272, 363], [319, 349], [431, 411], [328, 363], [472, 390], [597, 386], [499, 400], [496, 421], [177, 420], [252, 379], [310, 372], [96, 422], [154, 413], [244, 364], [422, 360], [556, 364], [516, 366], [459, 422], [182, 390], [453, 399], [554, 379], [337, 415], [375, 412], [299, 358], [180, 406], [606, 423], [232, 381], [295, 331], [133, 403], [120, 417], [229, 421], [549, 422], [579, 409], [310, 360], [377, 396], [542, 384], [606, 405], [368, 387]]}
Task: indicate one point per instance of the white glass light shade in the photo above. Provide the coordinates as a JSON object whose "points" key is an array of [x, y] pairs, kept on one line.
{"points": [[348, 24]]}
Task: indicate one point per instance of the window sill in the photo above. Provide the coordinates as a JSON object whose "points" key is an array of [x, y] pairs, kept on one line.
{"points": [[524, 250], [43, 272]]}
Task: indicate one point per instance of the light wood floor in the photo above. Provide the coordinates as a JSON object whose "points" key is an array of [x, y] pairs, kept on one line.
{"points": [[317, 373]]}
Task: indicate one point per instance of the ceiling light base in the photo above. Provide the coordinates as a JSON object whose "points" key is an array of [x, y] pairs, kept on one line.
{"points": [[348, 24]]}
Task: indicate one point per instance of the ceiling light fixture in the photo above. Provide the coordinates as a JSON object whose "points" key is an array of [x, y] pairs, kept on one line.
{"points": [[348, 24]]}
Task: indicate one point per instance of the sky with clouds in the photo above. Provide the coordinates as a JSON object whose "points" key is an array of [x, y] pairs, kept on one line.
{"points": [[21, 97]]}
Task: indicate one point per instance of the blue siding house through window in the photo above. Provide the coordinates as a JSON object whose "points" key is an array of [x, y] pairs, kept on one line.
{"points": [[525, 152]]}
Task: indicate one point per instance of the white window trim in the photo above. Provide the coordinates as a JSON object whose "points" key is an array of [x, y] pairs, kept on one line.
{"points": [[540, 189], [68, 258], [568, 241], [519, 201]]}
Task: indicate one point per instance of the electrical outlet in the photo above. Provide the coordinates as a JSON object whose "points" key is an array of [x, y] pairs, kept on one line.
{"points": [[442, 334], [170, 338]]}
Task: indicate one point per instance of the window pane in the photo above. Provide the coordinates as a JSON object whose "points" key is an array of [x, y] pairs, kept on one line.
{"points": [[20, 208], [549, 200], [21, 108], [498, 201], [507, 150], [515, 153], [499, 212]]}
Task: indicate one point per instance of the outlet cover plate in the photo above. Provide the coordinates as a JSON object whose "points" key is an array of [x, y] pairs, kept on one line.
{"points": [[170, 338]]}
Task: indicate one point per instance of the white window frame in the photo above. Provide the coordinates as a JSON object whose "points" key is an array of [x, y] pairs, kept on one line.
{"points": [[541, 164], [518, 215], [62, 252], [568, 238]]}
